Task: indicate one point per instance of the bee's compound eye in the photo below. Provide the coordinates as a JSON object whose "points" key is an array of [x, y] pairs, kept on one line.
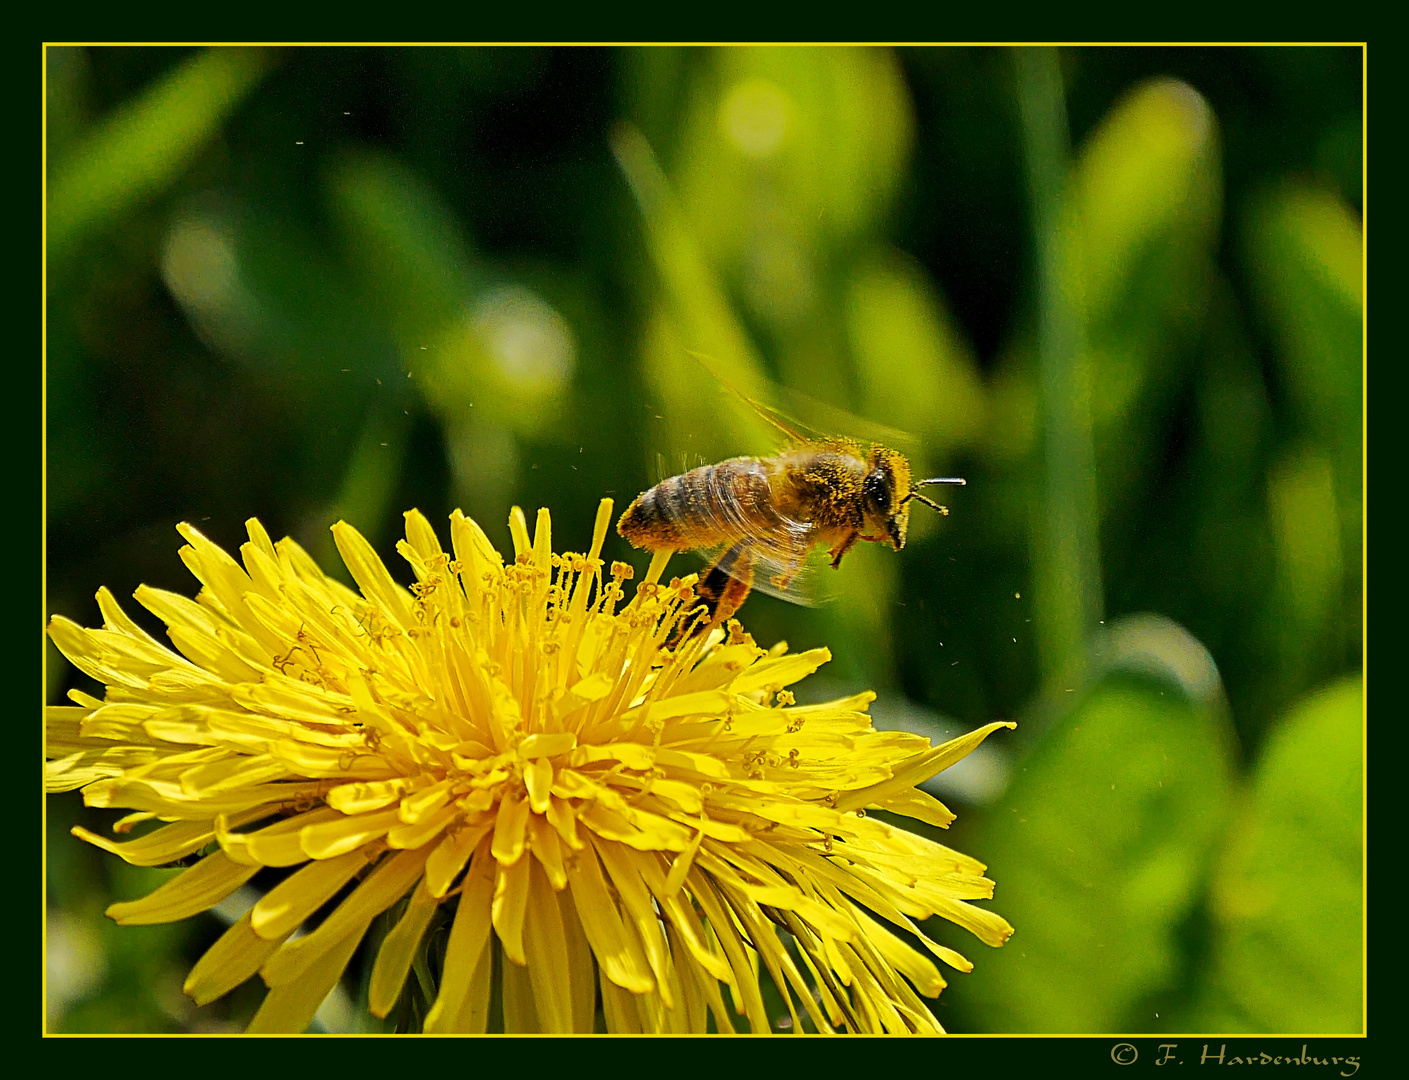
{"points": [[877, 491]]}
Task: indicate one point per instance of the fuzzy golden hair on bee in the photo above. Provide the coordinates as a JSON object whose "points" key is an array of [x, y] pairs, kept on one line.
{"points": [[757, 518], [761, 516]]}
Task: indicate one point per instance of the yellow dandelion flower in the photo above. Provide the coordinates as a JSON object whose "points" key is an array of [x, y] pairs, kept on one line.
{"points": [[632, 828]]}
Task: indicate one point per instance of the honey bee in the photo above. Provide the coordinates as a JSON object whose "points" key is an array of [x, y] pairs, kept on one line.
{"points": [[757, 518]]}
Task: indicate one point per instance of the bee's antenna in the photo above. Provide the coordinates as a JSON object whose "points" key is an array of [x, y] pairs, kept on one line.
{"points": [[957, 481]]}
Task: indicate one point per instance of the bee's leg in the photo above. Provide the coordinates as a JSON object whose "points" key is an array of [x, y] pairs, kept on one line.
{"points": [[785, 578], [726, 584], [722, 591], [842, 548]]}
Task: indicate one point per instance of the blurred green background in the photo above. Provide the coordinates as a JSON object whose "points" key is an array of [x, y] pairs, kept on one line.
{"points": [[1120, 290]]}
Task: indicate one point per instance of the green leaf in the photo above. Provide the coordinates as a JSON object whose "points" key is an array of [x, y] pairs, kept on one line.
{"points": [[407, 246], [146, 143], [1147, 176], [1146, 208], [913, 366], [1066, 555], [696, 316], [1304, 251], [1303, 619], [1099, 850], [1288, 901], [783, 147]]}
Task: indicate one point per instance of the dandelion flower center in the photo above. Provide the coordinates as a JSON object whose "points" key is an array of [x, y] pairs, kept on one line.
{"points": [[628, 826]]}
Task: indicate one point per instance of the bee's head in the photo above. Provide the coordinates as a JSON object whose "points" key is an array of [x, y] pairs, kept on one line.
{"points": [[883, 491], [888, 490]]}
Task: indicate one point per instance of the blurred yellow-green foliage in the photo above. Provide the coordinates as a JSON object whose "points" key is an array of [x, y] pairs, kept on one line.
{"points": [[1120, 290]]}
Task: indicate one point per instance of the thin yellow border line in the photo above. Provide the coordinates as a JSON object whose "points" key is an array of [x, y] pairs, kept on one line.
{"points": [[709, 44], [1364, 538], [43, 525]]}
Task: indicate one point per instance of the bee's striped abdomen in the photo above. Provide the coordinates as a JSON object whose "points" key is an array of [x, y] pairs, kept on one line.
{"points": [[710, 505]]}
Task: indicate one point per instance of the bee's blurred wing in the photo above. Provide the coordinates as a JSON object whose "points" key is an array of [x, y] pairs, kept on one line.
{"points": [[797, 584], [775, 572], [800, 418]]}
